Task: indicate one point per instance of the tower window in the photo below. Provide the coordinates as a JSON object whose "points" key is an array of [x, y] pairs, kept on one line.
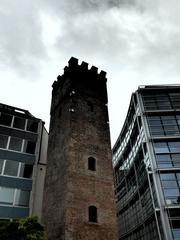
{"points": [[93, 214], [92, 164]]}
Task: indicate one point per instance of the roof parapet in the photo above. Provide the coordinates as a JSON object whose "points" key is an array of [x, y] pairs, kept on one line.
{"points": [[73, 62], [84, 65], [81, 70]]}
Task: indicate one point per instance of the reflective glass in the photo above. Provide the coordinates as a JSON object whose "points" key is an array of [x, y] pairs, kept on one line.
{"points": [[171, 192], [1, 165], [163, 157], [32, 126], [29, 147], [5, 119], [174, 146], [169, 122], [19, 123], [3, 141], [176, 233], [161, 147], [176, 163], [15, 144], [175, 160], [169, 184], [26, 170], [11, 168], [167, 176], [6, 196], [165, 164], [153, 122], [175, 157], [178, 175], [22, 198]]}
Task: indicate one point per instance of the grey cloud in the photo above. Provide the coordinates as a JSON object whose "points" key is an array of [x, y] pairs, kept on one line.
{"points": [[141, 34], [21, 47], [126, 33], [74, 7]]}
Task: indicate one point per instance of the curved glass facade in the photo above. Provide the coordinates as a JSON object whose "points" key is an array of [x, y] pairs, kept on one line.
{"points": [[146, 160]]}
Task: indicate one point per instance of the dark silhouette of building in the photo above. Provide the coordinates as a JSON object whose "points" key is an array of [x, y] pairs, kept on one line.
{"points": [[23, 149], [79, 189], [146, 160]]}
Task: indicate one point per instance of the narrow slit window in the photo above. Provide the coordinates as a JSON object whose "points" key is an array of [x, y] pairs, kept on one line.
{"points": [[92, 164], [93, 214]]}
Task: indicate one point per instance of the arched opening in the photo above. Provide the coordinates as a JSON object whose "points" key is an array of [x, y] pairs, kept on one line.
{"points": [[92, 164], [92, 214]]}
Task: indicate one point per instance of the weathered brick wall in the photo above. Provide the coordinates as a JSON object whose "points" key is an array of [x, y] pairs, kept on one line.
{"points": [[79, 129]]}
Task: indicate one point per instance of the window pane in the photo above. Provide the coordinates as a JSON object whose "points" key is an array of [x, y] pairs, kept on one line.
{"points": [[171, 192], [165, 164], [169, 184], [29, 147], [155, 118], [175, 223], [167, 176], [22, 198], [19, 122], [171, 132], [154, 123], [175, 160], [167, 122], [157, 129], [26, 170], [15, 144], [174, 146], [11, 168], [161, 147], [6, 195], [163, 157], [1, 165], [32, 126], [175, 157], [3, 141], [5, 119], [176, 233], [178, 175]]}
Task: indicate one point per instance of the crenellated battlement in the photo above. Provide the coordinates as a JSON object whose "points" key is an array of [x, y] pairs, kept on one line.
{"points": [[73, 62], [81, 71]]}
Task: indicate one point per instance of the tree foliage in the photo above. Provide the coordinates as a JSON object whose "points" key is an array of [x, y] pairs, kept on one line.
{"points": [[23, 229]]}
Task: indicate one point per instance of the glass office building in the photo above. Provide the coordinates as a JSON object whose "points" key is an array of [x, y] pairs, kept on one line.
{"points": [[146, 161], [23, 145]]}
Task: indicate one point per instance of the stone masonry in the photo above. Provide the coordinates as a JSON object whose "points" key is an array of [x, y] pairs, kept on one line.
{"points": [[79, 130]]}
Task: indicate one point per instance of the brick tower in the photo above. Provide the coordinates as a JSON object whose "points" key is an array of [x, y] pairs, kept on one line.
{"points": [[79, 189]]}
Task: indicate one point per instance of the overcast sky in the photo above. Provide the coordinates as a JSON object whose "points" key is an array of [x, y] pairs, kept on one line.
{"points": [[136, 42]]}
